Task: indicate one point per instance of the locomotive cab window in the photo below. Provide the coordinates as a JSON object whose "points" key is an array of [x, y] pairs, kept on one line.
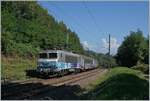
{"points": [[52, 55], [43, 55], [71, 59]]}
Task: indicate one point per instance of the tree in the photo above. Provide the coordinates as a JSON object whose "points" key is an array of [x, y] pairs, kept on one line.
{"points": [[146, 51], [132, 49]]}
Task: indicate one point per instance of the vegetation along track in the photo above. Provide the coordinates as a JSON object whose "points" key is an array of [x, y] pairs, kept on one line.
{"points": [[26, 92]]}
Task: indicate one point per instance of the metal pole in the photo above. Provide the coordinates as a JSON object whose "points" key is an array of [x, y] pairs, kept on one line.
{"points": [[67, 40], [109, 52], [109, 46]]}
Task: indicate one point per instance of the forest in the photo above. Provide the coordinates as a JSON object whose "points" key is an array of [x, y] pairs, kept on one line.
{"points": [[28, 28]]}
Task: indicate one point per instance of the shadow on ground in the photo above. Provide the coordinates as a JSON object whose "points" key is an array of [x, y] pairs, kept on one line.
{"points": [[34, 74], [120, 87], [65, 92]]}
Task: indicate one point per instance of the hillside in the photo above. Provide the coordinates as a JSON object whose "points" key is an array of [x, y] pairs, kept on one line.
{"points": [[28, 28]]}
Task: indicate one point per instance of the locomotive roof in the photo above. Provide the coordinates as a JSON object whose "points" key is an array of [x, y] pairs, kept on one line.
{"points": [[48, 51], [55, 51], [63, 51]]}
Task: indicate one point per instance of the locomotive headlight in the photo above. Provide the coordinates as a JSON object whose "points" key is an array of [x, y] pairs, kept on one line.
{"points": [[39, 63]]}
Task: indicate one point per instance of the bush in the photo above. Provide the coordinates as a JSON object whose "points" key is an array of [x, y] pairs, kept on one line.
{"points": [[21, 49], [133, 49], [142, 67]]}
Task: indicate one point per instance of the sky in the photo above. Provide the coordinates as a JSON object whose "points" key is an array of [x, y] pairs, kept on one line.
{"points": [[94, 21]]}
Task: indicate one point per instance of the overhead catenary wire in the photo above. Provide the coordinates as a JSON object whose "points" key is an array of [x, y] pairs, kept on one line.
{"points": [[74, 20], [67, 36], [91, 15], [60, 9]]}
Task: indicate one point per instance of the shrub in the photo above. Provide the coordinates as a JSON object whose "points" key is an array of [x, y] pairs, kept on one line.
{"points": [[142, 67], [26, 50]]}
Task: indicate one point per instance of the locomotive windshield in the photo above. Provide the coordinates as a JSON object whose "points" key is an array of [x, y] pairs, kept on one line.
{"points": [[43, 55], [52, 55], [49, 55]]}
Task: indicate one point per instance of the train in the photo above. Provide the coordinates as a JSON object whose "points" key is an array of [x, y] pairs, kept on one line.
{"points": [[59, 62]]}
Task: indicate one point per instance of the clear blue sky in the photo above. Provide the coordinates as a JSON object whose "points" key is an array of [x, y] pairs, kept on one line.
{"points": [[93, 21]]}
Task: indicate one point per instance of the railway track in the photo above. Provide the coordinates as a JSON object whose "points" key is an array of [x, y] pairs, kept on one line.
{"points": [[18, 85], [27, 93]]}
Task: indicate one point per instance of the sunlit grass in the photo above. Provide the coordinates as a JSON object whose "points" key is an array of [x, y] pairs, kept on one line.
{"points": [[119, 83], [118, 70], [15, 68]]}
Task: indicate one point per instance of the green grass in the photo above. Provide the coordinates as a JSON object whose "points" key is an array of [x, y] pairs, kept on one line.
{"points": [[120, 83], [15, 68]]}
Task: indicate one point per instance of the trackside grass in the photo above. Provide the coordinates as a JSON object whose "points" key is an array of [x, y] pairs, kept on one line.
{"points": [[15, 68], [120, 83]]}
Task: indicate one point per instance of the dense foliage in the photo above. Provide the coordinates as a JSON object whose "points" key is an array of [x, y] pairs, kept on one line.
{"points": [[142, 67], [133, 50], [28, 28]]}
